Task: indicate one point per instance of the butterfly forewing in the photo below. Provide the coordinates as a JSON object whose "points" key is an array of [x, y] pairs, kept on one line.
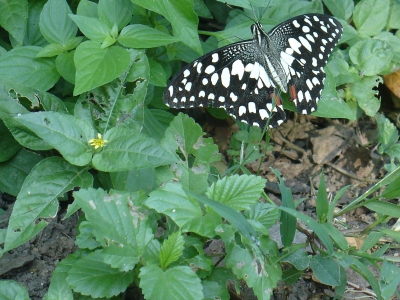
{"points": [[243, 77]]}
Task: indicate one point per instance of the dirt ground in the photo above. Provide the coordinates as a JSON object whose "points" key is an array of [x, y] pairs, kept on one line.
{"points": [[344, 150]]}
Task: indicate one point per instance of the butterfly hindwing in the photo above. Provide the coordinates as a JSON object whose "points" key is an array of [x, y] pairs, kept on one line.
{"points": [[310, 40]]}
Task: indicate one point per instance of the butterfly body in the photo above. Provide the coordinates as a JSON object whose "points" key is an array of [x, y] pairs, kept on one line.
{"points": [[245, 77]]}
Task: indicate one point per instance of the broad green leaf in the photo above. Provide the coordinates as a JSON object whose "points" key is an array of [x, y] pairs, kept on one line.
{"points": [[116, 217], [59, 288], [238, 192], [392, 191], [125, 151], [14, 17], [88, 9], [298, 259], [66, 133], [14, 171], [172, 201], [213, 290], [341, 72], [90, 276], [117, 12], [365, 94], [135, 180], [259, 274], [171, 249], [8, 145], [93, 28], [66, 67], [55, 24], [262, 216], [389, 279], [370, 16], [37, 200], [177, 283], [158, 76], [11, 290], [141, 36], [371, 241], [388, 134], [322, 200], [342, 9], [181, 15], [20, 65], [393, 22], [325, 269], [33, 35], [96, 66], [371, 56]]}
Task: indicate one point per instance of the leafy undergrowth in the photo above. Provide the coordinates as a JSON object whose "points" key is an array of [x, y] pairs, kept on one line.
{"points": [[84, 114]]}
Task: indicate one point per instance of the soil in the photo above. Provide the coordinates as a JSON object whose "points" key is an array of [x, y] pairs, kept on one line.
{"points": [[344, 151]]}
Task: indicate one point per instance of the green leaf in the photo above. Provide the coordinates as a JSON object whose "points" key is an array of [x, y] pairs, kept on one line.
{"points": [[172, 201], [37, 200], [370, 16], [125, 151], [14, 17], [14, 171], [384, 208], [55, 24], [181, 15], [171, 249], [325, 269], [365, 94], [393, 21], [389, 279], [93, 28], [371, 56], [8, 145], [262, 216], [342, 9], [178, 283], [388, 137], [11, 290], [213, 290], [298, 259], [96, 66], [158, 77], [90, 276], [392, 191], [322, 200], [371, 241], [141, 36], [238, 192], [33, 36], [68, 134], [135, 180], [259, 274], [66, 67], [117, 12], [20, 65]]}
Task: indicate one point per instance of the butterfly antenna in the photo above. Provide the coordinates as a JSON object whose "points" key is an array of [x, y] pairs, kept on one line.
{"points": [[265, 9], [240, 12]]}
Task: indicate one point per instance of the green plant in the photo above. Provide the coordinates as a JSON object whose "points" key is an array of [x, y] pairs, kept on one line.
{"points": [[149, 169]]}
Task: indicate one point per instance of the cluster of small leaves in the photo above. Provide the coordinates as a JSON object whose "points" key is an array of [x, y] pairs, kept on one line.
{"points": [[76, 101]]}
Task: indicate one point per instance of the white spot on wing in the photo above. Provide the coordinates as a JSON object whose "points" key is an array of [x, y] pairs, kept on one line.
{"points": [[210, 69], [186, 73], [214, 78], [225, 77], [305, 43], [171, 90], [233, 97], [238, 68], [295, 45], [199, 66], [309, 84], [242, 110], [263, 114], [202, 94], [188, 86], [215, 57], [252, 107]]}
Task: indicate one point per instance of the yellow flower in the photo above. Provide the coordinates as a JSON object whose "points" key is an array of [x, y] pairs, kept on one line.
{"points": [[98, 143]]}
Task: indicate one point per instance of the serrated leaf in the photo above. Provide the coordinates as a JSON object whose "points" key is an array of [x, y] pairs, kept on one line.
{"points": [[260, 275], [171, 249], [14, 171], [90, 276], [370, 16], [116, 219], [130, 152], [11, 290], [20, 65], [238, 192], [96, 66], [14, 17], [325, 269], [172, 201], [55, 24], [66, 133], [140, 36], [388, 133], [178, 283], [48, 180]]}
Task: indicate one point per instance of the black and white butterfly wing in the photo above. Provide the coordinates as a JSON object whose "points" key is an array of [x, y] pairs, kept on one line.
{"points": [[305, 43], [231, 78]]}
